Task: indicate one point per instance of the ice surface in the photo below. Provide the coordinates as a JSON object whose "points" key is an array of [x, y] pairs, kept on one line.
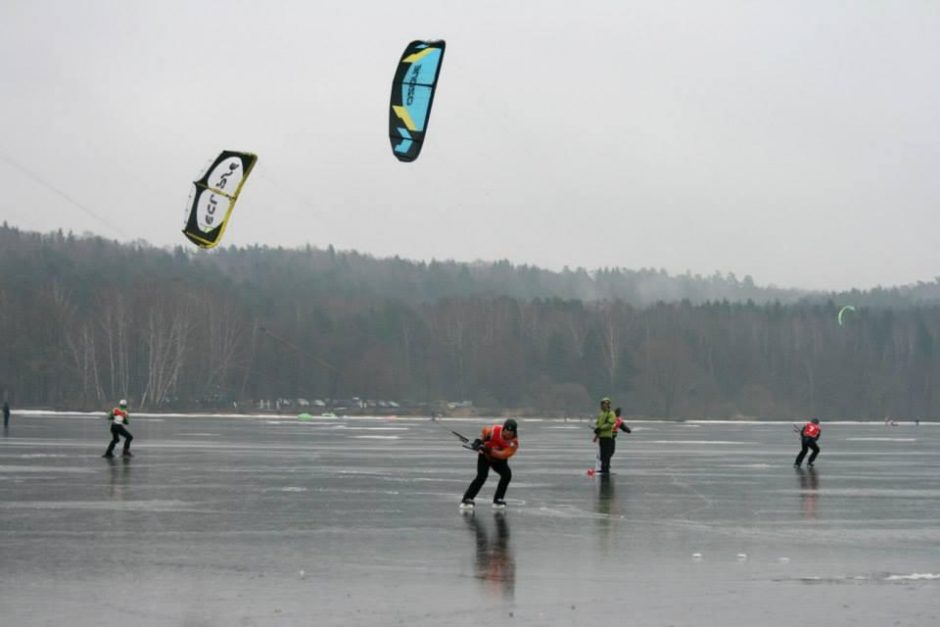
{"points": [[253, 521]]}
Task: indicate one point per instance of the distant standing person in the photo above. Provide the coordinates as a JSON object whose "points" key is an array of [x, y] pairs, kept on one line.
{"points": [[604, 432], [119, 418], [495, 446], [809, 435], [619, 425], [6, 414]]}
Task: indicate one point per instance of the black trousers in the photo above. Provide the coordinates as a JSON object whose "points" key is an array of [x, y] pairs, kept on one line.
{"points": [[807, 443], [484, 463], [116, 432], [607, 446]]}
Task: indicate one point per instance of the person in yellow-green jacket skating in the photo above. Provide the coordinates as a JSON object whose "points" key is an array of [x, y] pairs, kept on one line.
{"points": [[604, 430]]}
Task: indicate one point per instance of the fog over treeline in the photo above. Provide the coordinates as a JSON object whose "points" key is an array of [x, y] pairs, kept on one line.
{"points": [[84, 320]]}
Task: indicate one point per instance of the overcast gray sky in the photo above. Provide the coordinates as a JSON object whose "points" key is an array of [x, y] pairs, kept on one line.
{"points": [[794, 141]]}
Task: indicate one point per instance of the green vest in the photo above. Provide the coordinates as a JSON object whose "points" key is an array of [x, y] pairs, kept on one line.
{"points": [[605, 424]]}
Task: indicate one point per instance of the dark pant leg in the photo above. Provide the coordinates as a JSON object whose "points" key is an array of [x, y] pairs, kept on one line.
{"points": [[607, 449], [804, 447], [115, 438], [127, 437], [501, 466], [815, 447], [483, 469]]}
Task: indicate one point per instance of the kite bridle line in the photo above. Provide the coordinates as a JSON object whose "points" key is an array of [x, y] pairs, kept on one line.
{"points": [[296, 348], [52, 188]]}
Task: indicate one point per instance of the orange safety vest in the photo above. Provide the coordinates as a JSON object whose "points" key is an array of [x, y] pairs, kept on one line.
{"points": [[497, 447]]}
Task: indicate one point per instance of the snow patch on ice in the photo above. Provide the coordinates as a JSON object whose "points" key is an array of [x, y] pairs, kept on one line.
{"points": [[695, 442], [157, 505], [913, 577], [381, 428], [5, 469]]}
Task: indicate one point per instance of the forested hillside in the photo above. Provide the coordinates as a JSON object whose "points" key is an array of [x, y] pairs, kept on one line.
{"points": [[85, 320]]}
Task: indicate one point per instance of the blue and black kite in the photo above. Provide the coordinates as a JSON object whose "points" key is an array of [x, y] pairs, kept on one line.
{"points": [[412, 96]]}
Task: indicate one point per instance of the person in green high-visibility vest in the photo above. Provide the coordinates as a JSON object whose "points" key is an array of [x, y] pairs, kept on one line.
{"points": [[604, 430]]}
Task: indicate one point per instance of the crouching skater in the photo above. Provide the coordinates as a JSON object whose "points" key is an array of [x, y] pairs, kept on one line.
{"points": [[497, 444], [119, 417], [809, 436]]}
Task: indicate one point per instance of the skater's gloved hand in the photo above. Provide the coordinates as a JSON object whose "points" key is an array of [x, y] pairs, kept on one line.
{"points": [[597, 431], [477, 444], [627, 429]]}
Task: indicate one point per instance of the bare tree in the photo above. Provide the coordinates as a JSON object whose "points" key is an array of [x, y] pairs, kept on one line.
{"points": [[165, 339]]}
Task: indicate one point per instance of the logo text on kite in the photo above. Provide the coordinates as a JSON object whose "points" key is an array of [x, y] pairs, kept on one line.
{"points": [[415, 71], [224, 178]]}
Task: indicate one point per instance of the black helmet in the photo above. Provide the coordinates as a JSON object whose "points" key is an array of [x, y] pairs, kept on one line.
{"points": [[511, 425], [815, 421]]}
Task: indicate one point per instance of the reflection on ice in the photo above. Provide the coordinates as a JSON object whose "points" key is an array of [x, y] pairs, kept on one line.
{"points": [[494, 563], [809, 490]]}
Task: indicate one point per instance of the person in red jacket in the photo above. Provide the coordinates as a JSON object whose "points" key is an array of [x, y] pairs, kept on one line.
{"points": [[619, 425], [497, 444], [809, 435], [119, 418]]}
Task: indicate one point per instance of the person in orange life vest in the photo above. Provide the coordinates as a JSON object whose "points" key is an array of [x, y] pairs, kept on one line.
{"points": [[809, 435], [119, 417], [497, 444]]}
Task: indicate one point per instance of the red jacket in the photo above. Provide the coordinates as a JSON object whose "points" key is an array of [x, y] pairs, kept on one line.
{"points": [[495, 445], [811, 430]]}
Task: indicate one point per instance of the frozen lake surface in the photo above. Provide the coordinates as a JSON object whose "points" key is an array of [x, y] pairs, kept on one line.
{"points": [[274, 521]]}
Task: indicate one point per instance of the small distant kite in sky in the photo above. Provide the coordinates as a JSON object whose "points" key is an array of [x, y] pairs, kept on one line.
{"points": [[412, 96], [213, 197], [842, 312]]}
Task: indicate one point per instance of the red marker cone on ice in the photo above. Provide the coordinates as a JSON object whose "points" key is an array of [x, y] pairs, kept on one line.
{"points": [[590, 472]]}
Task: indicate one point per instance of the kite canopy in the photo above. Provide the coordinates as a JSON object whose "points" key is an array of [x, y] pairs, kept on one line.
{"points": [[213, 197], [842, 313], [412, 95]]}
